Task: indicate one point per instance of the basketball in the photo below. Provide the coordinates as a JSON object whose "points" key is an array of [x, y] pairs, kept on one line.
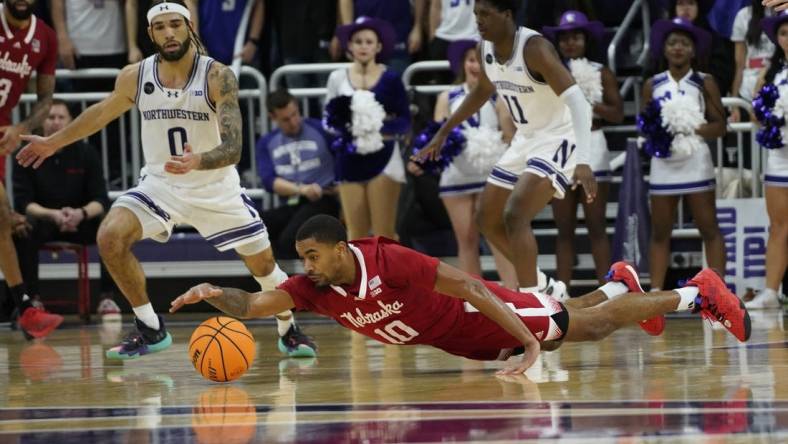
{"points": [[221, 349]]}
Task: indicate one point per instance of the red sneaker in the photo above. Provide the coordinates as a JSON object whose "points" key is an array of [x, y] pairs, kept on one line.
{"points": [[38, 323], [719, 304], [627, 275]]}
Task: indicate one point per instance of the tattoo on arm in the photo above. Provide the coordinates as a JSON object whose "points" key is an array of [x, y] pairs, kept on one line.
{"points": [[229, 116], [45, 88], [234, 302]]}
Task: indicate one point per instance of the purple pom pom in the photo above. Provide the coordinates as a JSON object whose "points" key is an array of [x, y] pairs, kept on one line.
{"points": [[658, 138], [338, 120], [770, 134], [455, 142]]}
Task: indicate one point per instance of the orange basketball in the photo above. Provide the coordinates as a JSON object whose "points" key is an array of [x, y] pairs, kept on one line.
{"points": [[221, 349]]}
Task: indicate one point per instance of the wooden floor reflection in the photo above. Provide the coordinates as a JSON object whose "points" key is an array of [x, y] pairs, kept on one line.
{"points": [[694, 383]]}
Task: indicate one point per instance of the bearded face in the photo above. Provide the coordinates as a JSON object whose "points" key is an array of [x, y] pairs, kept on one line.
{"points": [[20, 9], [173, 50]]}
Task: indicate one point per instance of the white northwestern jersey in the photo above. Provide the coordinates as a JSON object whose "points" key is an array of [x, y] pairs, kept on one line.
{"points": [[534, 106], [171, 117], [690, 85], [486, 116]]}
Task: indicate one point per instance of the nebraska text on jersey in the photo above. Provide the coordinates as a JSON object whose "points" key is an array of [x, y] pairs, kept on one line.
{"points": [[360, 318], [22, 68]]}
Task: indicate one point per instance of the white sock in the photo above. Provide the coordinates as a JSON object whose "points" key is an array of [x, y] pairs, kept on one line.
{"points": [[688, 295], [653, 289], [148, 317], [283, 325], [613, 289], [273, 279]]}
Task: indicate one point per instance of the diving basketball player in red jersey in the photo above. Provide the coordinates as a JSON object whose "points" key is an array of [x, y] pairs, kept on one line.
{"points": [[399, 296], [26, 45]]}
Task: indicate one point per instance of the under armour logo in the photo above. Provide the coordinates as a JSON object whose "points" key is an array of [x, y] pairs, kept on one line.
{"points": [[172, 94], [164, 8]]}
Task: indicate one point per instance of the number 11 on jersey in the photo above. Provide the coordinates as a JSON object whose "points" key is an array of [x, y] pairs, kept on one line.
{"points": [[515, 109], [171, 136]]}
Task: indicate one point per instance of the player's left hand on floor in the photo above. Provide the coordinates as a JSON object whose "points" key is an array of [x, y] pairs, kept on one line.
{"points": [[195, 295], [529, 357]]}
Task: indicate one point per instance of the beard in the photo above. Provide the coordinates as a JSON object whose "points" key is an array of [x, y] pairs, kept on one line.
{"points": [[174, 56], [23, 14]]}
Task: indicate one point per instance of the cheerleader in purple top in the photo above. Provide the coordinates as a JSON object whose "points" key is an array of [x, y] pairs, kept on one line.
{"points": [[369, 165], [577, 40]]}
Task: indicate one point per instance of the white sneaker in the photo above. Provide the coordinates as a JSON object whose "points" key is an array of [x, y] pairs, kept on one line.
{"points": [[556, 289], [764, 300], [108, 310]]}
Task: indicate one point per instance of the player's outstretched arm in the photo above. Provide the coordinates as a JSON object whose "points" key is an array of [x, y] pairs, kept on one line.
{"points": [[223, 91], [475, 99], [235, 302], [454, 282], [95, 117], [12, 135]]}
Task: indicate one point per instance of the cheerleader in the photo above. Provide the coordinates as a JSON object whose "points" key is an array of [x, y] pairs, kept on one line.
{"points": [[369, 165], [577, 39], [462, 181], [681, 164], [776, 174]]}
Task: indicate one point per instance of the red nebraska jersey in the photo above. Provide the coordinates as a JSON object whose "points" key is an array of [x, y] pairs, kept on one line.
{"points": [[23, 51], [393, 301]]}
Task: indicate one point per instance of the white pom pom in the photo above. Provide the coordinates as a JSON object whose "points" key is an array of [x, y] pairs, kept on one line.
{"points": [[681, 115], [588, 78], [781, 106], [483, 148], [684, 145], [368, 117]]}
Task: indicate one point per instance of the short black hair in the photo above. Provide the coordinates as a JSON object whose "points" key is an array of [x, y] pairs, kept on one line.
{"points": [[504, 5], [322, 228], [65, 104], [278, 99]]}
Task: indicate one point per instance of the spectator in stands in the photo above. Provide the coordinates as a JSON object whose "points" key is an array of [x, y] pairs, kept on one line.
{"points": [[450, 21], [407, 18], [63, 200], [219, 24], [90, 34], [752, 50], [720, 63], [578, 41], [462, 181], [294, 162], [776, 177], [681, 171], [304, 31], [138, 44], [369, 183]]}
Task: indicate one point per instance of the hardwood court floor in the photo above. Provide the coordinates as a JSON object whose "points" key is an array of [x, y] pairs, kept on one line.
{"points": [[694, 384]]}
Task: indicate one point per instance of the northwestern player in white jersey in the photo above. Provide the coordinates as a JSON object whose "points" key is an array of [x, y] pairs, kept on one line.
{"points": [[191, 139], [553, 120]]}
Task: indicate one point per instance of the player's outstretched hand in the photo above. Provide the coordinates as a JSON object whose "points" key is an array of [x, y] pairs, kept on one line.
{"points": [[11, 137], [529, 357], [195, 295], [184, 163], [36, 151], [432, 150], [585, 178]]}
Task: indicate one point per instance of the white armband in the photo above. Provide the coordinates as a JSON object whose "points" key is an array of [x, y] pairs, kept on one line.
{"points": [[580, 110]]}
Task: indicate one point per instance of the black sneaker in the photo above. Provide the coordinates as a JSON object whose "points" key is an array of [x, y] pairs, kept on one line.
{"points": [[141, 342], [296, 344]]}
